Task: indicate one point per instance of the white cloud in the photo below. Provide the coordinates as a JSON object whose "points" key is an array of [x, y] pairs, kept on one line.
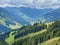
{"points": [[31, 3], [7, 5]]}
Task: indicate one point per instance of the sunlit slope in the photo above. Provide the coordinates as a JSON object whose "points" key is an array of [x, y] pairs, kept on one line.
{"points": [[41, 36], [15, 34], [33, 34], [28, 37], [10, 39], [53, 41], [7, 24]]}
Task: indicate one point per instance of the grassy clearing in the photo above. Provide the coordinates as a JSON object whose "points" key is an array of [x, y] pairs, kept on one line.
{"points": [[54, 41], [10, 39], [16, 26]]}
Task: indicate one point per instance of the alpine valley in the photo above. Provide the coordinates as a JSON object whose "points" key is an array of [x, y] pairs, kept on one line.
{"points": [[29, 26]]}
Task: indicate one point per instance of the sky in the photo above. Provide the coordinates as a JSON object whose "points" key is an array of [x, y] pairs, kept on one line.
{"points": [[31, 3]]}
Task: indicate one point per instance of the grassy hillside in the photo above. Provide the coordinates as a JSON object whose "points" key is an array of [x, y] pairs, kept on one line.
{"points": [[39, 37], [37, 34], [9, 23], [53, 41]]}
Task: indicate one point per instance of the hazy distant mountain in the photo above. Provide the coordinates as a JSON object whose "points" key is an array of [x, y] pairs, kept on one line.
{"points": [[12, 17], [33, 12], [52, 15]]}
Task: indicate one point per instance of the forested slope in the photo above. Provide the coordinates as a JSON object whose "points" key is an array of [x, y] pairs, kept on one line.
{"points": [[37, 34]]}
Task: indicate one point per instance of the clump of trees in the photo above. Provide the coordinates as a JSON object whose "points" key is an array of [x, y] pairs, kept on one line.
{"points": [[23, 31]]}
